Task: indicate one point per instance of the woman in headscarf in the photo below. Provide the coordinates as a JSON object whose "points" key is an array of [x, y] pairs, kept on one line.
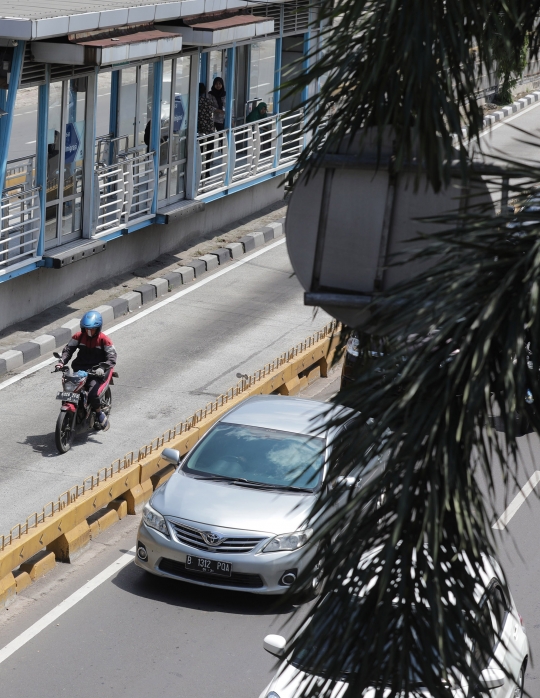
{"points": [[217, 97], [258, 112]]}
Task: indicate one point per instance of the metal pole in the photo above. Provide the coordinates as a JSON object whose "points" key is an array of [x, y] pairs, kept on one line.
{"points": [[6, 122], [113, 109], [277, 75], [42, 152], [231, 61], [155, 126], [191, 141], [89, 153]]}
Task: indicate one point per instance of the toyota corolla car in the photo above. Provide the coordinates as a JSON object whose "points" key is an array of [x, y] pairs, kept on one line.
{"points": [[234, 513], [499, 618]]}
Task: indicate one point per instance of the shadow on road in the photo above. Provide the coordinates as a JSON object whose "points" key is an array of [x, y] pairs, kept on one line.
{"points": [[44, 443], [177, 593]]}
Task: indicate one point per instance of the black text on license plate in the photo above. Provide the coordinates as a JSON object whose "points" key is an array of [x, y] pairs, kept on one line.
{"points": [[68, 397], [201, 564]]}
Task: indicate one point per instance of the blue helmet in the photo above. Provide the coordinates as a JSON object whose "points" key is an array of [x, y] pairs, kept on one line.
{"points": [[92, 320]]}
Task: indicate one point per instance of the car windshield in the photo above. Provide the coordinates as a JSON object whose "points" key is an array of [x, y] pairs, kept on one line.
{"points": [[259, 456]]}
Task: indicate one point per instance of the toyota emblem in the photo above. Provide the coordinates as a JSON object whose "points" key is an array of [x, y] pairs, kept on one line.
{"points": [[211, 538]]}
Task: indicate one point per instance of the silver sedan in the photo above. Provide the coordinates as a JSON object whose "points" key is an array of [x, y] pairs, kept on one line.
{"points": [[234, 513]]}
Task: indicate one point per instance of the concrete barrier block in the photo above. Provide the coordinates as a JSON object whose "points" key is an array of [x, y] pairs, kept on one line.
{"points": [[12, 359], [523, 101], [222, 254], [120, 306], [29, 350], [248, 243], [22, 580], [489, 120], [258, 237], [107, 313], [198, 266], [101, 521], [174, 279], [497, 115], [133, 300], [161, 286], [211, 261], [71, 544], [529, 99], [137, 497], [46, 343], [120, 507], [8, 590], [516, 106], [236, 249], [39, 564], [277, 226], [62, 335], [161, 478], [187, 274], [506, 111], [147, 293], [268, 233], [73, 325]]}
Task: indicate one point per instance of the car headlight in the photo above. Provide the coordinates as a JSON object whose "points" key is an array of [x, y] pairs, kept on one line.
{"points": [[153, 519], [288, 541], [272, 694]]}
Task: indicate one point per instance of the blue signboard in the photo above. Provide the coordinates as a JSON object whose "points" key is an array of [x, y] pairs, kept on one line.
{"points": [[74, 142]]}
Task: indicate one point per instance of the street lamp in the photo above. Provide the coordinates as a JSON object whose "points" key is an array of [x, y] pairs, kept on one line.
{"points": [[349, 220]]}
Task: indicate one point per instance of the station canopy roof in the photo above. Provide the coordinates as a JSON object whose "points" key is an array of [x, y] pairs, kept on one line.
{"points": [[32, 20]]}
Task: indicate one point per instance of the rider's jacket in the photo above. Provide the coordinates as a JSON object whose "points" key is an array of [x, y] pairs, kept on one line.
{"points": [[92, 351]]}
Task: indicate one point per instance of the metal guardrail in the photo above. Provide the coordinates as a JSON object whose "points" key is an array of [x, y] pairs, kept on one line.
{"points": [[20, 221], [125, 191], [246, 385], [21, 171], [247, 151]]}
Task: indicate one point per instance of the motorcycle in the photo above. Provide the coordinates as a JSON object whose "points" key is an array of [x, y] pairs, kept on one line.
{"points": [[76, 413]]}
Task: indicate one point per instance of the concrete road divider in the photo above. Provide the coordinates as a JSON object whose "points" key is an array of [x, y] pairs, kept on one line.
{"points": [[61, 530]]}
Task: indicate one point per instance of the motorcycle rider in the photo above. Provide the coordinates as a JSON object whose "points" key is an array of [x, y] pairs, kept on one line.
{"points": [[94, 347]]}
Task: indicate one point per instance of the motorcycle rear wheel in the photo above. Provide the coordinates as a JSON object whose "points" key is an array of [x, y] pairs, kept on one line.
{"points": [[64, 433]]}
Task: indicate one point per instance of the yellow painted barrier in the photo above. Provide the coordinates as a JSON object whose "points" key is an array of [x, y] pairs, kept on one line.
{"points": [[133, 477]]}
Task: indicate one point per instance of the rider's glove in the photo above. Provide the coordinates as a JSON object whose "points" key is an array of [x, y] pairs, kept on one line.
{"points": [[99, 372], [59, 366]]}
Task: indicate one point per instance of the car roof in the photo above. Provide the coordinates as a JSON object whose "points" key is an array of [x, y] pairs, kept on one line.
{"points": [[284, 413]]}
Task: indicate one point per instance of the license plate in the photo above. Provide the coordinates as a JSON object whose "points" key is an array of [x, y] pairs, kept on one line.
{"points": [[201, 564], [68, 397]]}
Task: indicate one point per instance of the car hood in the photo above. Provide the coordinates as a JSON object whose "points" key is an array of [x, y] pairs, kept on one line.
{"points": [[289, 682], [230, 506]]}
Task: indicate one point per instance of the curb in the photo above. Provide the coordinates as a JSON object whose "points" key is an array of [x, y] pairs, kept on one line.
{"points": [[508, 110], [142, 295], [65, 526]]}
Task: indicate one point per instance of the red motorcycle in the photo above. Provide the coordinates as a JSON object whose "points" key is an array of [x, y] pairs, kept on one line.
{"points": [[76, 413]]}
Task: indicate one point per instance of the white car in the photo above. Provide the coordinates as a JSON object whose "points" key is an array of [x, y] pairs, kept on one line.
{"points": [[509, 638]]}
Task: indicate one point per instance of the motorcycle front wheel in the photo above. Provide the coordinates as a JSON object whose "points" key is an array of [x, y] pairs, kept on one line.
{"points": [[64, 431], [106, 401]]}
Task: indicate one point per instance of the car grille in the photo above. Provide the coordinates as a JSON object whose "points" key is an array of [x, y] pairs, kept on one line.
{"points": [[237, 579], [194, 538]]}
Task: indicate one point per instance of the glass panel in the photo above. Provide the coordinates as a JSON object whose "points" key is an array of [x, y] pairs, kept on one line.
{"points": [[77, 215], [145, 105], [67, 218], [261, 72], [74, 155], [127, 105], [181, 106], [166, 87], [103, 106], [22, 143], [51, 214], [162, 185], [215, 66], [53, 140]]}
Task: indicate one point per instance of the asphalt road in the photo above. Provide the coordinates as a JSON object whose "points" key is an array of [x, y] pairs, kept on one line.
{"points": [[171, 362]]}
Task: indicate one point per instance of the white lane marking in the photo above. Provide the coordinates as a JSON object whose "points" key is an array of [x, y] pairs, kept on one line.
{"points": [[518, 500], [65, 605], [152, 309]]}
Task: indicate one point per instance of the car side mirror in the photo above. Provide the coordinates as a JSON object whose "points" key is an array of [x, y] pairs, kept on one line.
{"points": [[56, 355], [492, 678], [171, 455], [275, 644]]}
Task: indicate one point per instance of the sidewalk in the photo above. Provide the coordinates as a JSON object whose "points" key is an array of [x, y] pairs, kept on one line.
{"points": [[183, 267]]}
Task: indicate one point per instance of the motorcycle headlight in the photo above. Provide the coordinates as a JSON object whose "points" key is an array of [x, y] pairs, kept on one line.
{"points": [[153, 519], [288, 541], [352, 346]]}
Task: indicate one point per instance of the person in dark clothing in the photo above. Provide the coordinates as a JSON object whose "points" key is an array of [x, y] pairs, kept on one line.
{"points": [[93, 347], [205, 113], [217, 96], [257, 113]]}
